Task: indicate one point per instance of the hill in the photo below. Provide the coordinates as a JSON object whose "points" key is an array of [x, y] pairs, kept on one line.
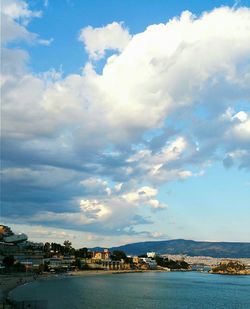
{"points": [[188, 247]]}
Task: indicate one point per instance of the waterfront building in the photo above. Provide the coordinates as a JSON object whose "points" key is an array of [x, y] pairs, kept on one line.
{"points": [[101, 255], [150, 263]]}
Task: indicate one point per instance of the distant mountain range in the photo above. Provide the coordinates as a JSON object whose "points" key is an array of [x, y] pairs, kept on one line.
{"points": [[187, 247]]}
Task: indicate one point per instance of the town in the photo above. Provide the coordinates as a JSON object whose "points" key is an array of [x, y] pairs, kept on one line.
{"points": [[23, 261], [19, 254]]}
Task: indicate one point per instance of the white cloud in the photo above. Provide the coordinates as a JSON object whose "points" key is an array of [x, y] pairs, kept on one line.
{"points": [[96, 186], [242, 116], [95, 124], [160, 71], [15, 16], [94, 209], [166, 164], [242, 129], [18, 10], [145, 196], [110, 37]]}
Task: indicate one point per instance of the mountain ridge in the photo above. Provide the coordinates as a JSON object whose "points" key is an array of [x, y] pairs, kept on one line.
{"points": [[187, 247]]}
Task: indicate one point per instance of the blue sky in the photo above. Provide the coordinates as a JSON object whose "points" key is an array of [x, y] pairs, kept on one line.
{"points": [[126, 121]]}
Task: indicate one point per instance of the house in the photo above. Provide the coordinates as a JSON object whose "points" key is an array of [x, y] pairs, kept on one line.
{"points": [[151, 263], [55, 262], [101, 255], [136, 260], [151, 255]]}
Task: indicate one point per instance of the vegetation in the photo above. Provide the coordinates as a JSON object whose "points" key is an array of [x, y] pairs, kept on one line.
{"points": [[53, 248], [171, 264], [80, 265], [118, 255], [8, 261], [230, 267], [83, 253]]}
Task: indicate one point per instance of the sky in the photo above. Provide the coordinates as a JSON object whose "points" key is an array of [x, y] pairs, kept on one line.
{"points": [[125, 121]]}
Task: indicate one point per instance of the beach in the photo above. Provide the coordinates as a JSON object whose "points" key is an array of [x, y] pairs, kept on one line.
{"points": [[11, 281], [149, 289]]}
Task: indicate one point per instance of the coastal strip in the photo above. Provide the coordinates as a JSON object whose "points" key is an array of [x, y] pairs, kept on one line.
{"points": [[10, 282]]}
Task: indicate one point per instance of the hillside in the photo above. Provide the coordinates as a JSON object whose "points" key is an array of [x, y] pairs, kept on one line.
{"points": [[189, 247]]}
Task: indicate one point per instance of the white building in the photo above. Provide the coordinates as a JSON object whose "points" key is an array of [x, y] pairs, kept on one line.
{"points": [[151, 255], [151, 263]]}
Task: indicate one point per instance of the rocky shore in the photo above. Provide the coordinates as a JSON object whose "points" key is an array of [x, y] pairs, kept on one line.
{"points": [[230, 267]]}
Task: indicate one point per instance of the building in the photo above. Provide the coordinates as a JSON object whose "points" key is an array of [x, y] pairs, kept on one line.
{"points": [[55, 262], [151, 263], [151, 255], [101, 255], [136, 260]]}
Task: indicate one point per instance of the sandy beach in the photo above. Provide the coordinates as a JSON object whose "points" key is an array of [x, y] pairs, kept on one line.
{"points": [[9, 282]]}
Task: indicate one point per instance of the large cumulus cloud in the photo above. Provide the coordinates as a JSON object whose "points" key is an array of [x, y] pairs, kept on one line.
{"points": [[89, 150]]}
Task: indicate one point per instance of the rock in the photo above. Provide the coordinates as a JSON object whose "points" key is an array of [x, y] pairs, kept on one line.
{"points": [[230, 267]]}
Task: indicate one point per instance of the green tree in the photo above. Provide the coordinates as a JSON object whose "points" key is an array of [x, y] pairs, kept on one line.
{"points": [[118, 255], [82, 253], [165, 262], [57, 248], [8, 261], [67, 246], [47, 249]]}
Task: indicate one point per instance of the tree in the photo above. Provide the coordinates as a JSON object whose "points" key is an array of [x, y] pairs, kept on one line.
{"points": [[82, 253], [47, 247], [46, 250], [165, 262], [67, 246], [46, 266], [118, 255], [8, 261], [57, 248]]}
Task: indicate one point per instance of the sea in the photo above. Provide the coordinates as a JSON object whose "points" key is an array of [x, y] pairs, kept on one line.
{"points": [[158, 290]]}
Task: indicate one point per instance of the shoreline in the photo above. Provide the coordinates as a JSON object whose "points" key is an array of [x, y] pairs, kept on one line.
{"points": [[9, 282], [12, 281]]}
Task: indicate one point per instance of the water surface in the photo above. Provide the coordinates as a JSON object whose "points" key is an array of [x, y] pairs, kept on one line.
{"points": [[141, 290]]}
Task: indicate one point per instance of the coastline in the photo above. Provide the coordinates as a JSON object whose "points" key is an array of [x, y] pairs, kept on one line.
{"points": [[11, 281]]}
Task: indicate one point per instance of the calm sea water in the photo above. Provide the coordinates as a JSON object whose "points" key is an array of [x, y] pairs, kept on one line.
{"points": [[141, 290]]}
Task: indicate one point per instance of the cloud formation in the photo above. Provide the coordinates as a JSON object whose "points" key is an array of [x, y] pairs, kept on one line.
{"points": [[15, 16], [88, 151], [98, 40]]}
